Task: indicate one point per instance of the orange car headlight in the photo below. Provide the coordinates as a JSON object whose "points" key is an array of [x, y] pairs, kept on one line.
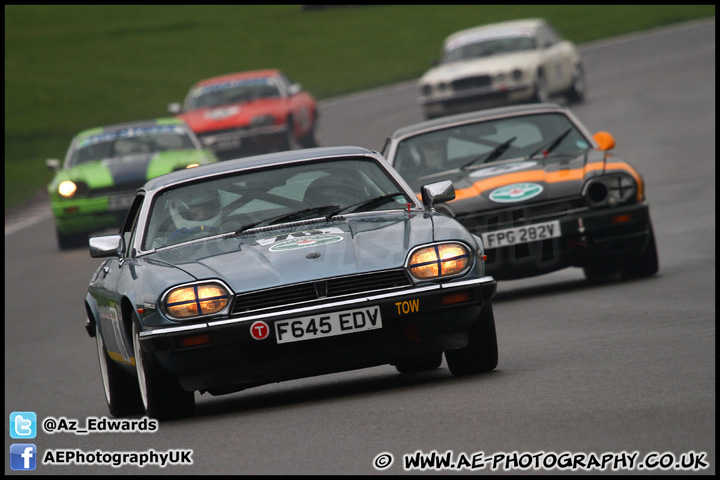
{"points": [[196, 300], [438, 261]]}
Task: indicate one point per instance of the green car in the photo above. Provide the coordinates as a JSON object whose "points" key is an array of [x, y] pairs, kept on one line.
{"points": [[104, 167]]}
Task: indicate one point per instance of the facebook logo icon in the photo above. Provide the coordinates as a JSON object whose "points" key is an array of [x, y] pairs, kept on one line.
{"points": [[23, 425], [23, 456]]}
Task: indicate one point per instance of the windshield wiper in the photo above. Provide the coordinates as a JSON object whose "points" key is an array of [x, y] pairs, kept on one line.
{"points": [[491, 155], [371, 203], [550, 146], [331, 210]]}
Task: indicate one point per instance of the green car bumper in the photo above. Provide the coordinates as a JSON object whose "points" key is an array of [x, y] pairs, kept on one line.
{"points": [[86, 215]]}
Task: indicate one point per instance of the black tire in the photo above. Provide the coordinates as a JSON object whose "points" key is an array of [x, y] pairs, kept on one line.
{"points": [[429, 116], [290, 142], [599, 270], [576, 94], [420, 362], [162, 396], [68, 241], [122, 393], [481, 352], [310, 139], [645, 265]]}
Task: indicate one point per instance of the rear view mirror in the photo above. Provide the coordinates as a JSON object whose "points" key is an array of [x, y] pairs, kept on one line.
{"points": [[105, 246], [438, 192], [174, 108], [604, 140], [53, 164]]}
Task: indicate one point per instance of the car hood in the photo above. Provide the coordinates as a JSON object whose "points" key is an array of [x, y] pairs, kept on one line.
{"points": [[132, 169], [505, 184], [311, 251], [235, 115], [481, 66]]}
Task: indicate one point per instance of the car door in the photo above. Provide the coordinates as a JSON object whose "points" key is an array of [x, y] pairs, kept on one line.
{"points": [[300, 105], [113, 279], [555, 59]]}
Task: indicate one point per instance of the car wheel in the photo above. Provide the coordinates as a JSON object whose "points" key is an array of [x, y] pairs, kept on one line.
{"points": [[541, 94], [121, 390], [310, 139], [601, 269], [67, 241], [644, 265], [420, 362], [290, 143], [481, 352], [576, 93], [429, 116], [161, 393]]}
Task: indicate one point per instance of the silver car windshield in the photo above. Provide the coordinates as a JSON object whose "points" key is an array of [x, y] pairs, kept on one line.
{"points": [[237, 202], [447, 153], [490, 47]]}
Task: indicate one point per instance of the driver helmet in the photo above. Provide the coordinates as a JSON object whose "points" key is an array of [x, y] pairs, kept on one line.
{"points": [[198, 210], [432, 152]]}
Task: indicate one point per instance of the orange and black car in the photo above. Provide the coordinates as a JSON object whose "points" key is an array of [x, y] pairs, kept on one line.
{"points": [[540, 190]]}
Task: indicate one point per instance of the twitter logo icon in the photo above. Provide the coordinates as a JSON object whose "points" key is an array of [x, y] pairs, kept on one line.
{"points": [[23, 425]]}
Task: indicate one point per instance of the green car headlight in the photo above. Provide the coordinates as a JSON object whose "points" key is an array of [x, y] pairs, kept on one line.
{"points": [[196, 300], [67, 188], [438, 261]]}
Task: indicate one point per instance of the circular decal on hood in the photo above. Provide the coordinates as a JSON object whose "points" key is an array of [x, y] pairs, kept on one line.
{"points": [[303, 242], [517, 192]]}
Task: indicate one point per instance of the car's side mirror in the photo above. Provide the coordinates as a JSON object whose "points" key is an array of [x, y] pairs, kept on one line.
{"points": [[604, 140], [438, 192], [174, 108], [105, 246], [53, 164], [294, 89]]}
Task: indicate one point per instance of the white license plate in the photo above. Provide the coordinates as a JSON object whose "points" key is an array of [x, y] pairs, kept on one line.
{"points": [[328, 325], [524, 234], [120, 202]]}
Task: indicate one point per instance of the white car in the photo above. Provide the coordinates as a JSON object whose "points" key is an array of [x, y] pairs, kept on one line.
{"points": [[519, 61]]}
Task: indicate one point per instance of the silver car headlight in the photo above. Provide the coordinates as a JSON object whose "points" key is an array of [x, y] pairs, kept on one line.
{"points": [[196, 300], [610, 190], [438, 261]]}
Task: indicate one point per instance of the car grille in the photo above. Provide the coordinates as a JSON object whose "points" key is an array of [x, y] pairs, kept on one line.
{"points": [[319, 290], [471, 82]]}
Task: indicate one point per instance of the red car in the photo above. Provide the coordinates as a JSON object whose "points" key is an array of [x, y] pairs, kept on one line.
{"points": [[249, 113]]}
